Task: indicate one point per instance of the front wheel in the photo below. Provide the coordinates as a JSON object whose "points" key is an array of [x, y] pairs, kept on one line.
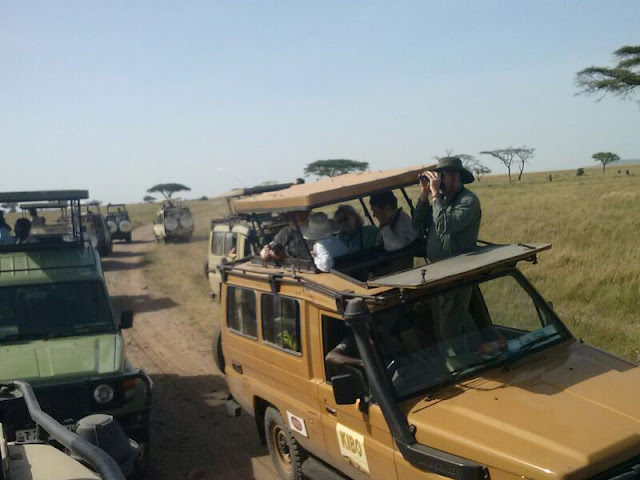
{"points": [[216, 348], [285, 452]]}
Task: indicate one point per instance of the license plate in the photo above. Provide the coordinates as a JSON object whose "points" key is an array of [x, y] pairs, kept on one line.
{"points": [[29, 434]]}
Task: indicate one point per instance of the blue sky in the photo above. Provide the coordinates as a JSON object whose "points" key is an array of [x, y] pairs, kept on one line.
{"points": [[118, 96]]}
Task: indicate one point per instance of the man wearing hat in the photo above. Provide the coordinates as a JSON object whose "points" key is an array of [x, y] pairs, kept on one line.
{"points": [[453, 218], [453, 222], [321, 230]]}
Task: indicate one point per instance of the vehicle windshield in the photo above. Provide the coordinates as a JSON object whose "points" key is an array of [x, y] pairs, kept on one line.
{"points": [[432, 341], [32, 312]]}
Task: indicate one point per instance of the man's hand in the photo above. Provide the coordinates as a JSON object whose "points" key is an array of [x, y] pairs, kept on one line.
{"points": [[429, 185]]}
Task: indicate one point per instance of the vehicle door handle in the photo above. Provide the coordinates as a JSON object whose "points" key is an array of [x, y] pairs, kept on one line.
{"points": [[332, 411]]}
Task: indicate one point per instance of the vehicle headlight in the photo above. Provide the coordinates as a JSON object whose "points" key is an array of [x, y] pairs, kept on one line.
{"points": [[113, 228], [170, 224], [126, 226], [186, 221], [103, 393]]}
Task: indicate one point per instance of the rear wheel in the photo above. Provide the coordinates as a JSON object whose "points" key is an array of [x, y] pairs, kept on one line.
{"points": [[218, 357], [285, 452]]}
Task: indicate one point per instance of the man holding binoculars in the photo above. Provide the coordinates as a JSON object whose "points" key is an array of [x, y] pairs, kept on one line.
{"points": [[452, 220]]}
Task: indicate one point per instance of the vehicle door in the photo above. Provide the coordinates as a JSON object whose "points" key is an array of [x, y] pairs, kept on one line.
{"points": [[357, 440]]}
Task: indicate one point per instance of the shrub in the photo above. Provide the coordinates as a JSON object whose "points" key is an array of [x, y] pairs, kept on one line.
{"points": [[580, 172]]}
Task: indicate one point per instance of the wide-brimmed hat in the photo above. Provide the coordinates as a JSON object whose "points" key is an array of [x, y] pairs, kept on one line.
{"points": [[455, 164], [319, 227]]}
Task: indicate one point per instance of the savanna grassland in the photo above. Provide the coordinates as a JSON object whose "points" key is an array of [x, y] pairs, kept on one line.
{"points": [[592, 273]]}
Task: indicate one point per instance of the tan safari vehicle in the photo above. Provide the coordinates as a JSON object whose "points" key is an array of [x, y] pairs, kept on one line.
{"points": [[512, 395], [237, 236], [173, 223]]}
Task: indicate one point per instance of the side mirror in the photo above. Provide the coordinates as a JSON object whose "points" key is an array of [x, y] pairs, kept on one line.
{"points": [[126, 319], [349, 387]]}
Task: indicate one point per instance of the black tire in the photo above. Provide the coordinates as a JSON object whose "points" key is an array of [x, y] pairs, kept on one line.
{"points": [[286, 454], [216, 348], [128, 238], [206, 269]]}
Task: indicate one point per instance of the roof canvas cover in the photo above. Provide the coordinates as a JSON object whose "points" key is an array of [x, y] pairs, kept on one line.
{"points": [[482, 259], [327, 191], [43, 196]]}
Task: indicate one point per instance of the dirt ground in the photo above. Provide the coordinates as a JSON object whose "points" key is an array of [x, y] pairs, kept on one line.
{"points": [[193, 438]]}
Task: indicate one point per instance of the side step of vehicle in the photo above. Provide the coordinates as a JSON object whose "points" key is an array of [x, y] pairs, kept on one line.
{"points": [[316, 470]]}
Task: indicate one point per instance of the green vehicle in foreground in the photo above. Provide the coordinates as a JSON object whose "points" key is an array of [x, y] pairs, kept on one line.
{"points": [[59, 331]]}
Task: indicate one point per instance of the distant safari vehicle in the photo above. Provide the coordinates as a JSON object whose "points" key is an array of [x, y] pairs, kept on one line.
{"points": [[59, 331], [359, 374], [237, 236], [96, 229], [173, 223], [118, 221], [38, 459]]}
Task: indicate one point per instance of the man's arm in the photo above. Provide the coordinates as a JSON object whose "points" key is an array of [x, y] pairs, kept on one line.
{"points": [[421, 216], [458, 217]]}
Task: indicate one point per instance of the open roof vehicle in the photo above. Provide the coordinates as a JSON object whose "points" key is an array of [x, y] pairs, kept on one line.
{"points": [[509, 394], [118, 221], [59, 331], [173, 222], [239, 235], [96, 229]]}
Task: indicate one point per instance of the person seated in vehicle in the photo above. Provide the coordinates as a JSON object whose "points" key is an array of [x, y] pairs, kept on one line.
{"points": [[5, 231], [452, 219], [353, 233], [36, 221], [345, 353], [396, 229], [22, 230], [320, 230], [289, 242]]}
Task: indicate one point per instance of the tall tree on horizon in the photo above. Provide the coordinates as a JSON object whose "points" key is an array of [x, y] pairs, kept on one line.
{"points": [[335, 167], [605, 158]]}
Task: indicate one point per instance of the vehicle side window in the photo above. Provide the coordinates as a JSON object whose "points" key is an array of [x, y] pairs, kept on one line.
{"points": [[510, 306], [281, 322], [230, 243], [241, 311], [217, 245]]}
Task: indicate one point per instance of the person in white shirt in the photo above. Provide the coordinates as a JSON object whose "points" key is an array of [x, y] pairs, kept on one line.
{"points": [[327, 246]]}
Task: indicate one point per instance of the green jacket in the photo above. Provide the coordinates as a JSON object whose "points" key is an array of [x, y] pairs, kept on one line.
{"points": [[365, 237], [452, 226]]}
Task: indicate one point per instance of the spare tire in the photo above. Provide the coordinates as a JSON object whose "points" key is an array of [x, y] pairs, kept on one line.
{"points": [[113, 228], [216, 348], [186, 221], [126, 226], [170, 224]]}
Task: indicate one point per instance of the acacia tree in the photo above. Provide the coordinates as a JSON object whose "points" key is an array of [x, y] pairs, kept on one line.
{"points": [[605, 158], [504, 155], [168, 189], [621, 80], [148, 199], [524, 154], [333, 168]]}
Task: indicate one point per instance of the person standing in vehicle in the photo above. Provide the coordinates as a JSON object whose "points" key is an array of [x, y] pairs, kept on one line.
{"points": [[5, 231], [326, 246], [289, 242], [396, 230], [36, 221], [353, 233], [22, 230], [453, 222], [453, 218]]}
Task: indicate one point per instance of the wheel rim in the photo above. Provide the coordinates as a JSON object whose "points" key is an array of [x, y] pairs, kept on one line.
{"points": [[282, 447]]}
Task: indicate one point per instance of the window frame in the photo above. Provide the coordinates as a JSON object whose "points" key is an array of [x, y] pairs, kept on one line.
{"points": [[226, 313], [298, 324]]}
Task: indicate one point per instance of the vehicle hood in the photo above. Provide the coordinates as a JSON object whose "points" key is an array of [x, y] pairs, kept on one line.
{"points": [[570, 411], [44, 360]]}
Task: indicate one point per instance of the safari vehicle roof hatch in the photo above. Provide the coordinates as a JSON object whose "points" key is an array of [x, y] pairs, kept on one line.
{"points": [[327, 191], [44, 205], [44, 196], [461, 267]]}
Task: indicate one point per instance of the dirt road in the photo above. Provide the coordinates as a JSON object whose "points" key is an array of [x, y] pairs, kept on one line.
{"points": [[192, 436]]}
